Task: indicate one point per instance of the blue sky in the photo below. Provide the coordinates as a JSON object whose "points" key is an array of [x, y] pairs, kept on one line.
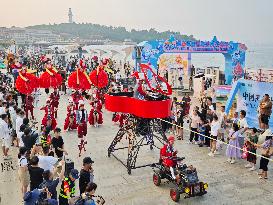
{"points": [[238, 20]]}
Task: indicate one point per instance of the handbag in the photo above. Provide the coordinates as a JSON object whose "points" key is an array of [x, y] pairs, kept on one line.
{"points": [[245, 152]]}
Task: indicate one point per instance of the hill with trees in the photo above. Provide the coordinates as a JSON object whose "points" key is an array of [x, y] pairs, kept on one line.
{"points": [[86, 30]]}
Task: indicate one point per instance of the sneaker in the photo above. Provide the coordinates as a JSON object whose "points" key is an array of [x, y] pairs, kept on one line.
{"points": [[248, 166], [229, 160], [232, 161], [211, 154], [196, 143], [252, 168], [189, 142], [216, 152]]}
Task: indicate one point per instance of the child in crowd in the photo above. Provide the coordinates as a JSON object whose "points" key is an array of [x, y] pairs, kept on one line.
{"points": [[202, 132], [251, 140], [233, 149]]}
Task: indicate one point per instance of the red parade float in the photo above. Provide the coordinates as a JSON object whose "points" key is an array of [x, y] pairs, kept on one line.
{"points": [[142, 125]]}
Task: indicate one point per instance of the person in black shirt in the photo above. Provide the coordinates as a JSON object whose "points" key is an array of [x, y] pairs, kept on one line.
{"points": [[35, 172], [50, 183], [86, 174], [28, 139], [180, 121], [58, 143]]}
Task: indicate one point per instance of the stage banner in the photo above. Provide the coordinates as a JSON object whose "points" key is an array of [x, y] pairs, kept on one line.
{"points": [[249, 96]]}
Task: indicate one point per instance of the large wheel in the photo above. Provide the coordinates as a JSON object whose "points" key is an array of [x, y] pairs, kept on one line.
{"points": [[156, 179], [174, 194]]}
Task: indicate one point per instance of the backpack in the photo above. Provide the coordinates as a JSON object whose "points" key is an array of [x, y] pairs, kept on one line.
{"points": [[77, 200]]}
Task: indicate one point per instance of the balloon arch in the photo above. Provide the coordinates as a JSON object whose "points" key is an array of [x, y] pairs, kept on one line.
{"points": [[234, 53]]}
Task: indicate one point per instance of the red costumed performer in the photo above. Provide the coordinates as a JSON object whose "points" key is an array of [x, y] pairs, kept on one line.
{"points": [[82, 118], [50, 78], [29, 106], [79, 80], [166, 152], [95, 116], [26, 82], [70, 121], [99, 77], [76, 97], [48, 119], [115, 117], [55, 97]]}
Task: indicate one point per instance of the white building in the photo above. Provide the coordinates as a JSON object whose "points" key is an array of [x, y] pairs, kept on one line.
{"points": [[29, 36]]}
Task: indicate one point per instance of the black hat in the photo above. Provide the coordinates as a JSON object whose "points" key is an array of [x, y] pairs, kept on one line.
{"points": [[88, 160], [74, 173], [57, 129]]}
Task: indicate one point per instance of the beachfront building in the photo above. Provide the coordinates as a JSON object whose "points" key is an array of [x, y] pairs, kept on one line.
{"points": [[28, 36]]}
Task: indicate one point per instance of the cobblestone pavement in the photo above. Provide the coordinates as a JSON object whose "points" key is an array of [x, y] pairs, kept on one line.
{"points": [[228, 184]]}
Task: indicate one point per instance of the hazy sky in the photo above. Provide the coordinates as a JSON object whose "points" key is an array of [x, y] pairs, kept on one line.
{"points": [[238, 20]]}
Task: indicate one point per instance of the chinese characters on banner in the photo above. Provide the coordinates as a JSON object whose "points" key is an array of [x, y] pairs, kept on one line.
{"points": [[249, 96]]}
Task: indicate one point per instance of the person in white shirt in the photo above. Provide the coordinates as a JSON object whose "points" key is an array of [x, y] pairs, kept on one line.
{"points": [[23, 173], [5, 135], [194, 122], [243, 127], [118, 76], [12, 115], [242, 122], [19, 121], [209, 104], [19, 136], [45, 162], [1, 96], [222, 120], [3, 109], [215, 127], [213, 98]]}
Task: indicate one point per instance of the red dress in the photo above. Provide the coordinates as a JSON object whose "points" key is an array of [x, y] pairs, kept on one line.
{"points": [[116, 117], [79, 80], [99, 77], [29, 106], [50, 78], [55, 97], [49, 111], [26, 82], [98, 109], [70, 121], [167, 151]]}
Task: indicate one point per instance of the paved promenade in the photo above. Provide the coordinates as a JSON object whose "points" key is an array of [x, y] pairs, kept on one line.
{"points": [[228, 184]]}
